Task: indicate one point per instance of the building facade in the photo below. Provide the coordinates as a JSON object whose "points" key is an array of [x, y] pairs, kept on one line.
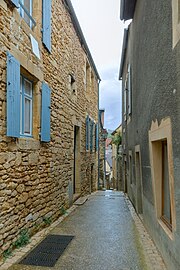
{"points": [[48, 90], [117, 158], [150, 68]]}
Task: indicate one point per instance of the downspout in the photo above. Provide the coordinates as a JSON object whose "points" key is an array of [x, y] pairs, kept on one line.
{"points": [[98, 139]]}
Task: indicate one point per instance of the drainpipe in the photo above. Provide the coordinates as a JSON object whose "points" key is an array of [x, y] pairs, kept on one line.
{"points": [[98, 138], [104, 184]]}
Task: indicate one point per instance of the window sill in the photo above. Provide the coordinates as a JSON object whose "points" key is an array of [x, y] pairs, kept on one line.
{"points": [[25, 143], [166, 229]]}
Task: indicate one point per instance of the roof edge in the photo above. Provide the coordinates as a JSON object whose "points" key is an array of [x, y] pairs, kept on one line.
{"points": [[127, 9], [123, 54]]}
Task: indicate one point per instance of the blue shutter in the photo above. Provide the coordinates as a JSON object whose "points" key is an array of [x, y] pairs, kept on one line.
{"points": [[15, 3], [97, 137], [87, 132], [91, 134], [13, 96], [45, 113], [46, 21]]}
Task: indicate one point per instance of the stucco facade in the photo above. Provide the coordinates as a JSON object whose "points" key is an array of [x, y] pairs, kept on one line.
{"points": [[150, 68], [41, 169]]}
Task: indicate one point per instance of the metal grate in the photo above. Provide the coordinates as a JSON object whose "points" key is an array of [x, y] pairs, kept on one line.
{"points": [[48, 251]]}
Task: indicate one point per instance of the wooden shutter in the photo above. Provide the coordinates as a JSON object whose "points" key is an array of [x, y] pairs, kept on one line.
{"points": [[87, 132], [13, 96], [15, 3], [45, 113], [47, 24]]}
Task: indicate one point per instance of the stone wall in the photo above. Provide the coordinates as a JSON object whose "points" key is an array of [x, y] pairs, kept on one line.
{"points": [[36, 178]]}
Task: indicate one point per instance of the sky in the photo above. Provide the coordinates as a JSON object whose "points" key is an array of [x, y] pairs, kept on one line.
{"points": [[103, 31]]}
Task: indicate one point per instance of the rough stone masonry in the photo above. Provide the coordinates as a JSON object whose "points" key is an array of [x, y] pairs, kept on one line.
{"points": [[38, 179]]}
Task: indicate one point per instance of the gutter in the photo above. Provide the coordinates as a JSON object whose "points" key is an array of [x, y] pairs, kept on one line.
{"points": [[79, 32]]}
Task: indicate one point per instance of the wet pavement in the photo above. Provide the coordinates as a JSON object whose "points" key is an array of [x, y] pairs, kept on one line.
{"points": [[106, 237]]}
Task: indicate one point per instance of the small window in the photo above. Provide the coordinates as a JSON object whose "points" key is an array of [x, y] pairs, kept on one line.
{"points": [[72, 83], [166, 206], [161, 156], [25, 10], [88, 77], [26, 92]]}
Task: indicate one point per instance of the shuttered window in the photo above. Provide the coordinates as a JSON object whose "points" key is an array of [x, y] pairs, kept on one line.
{"points": [[13, 96], [46, 21], [45, 113], [91, 135], [15, 3], [87, 132], [96, 137]]}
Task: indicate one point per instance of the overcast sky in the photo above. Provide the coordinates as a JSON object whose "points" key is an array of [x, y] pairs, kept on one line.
{"points": [[103, 31]]}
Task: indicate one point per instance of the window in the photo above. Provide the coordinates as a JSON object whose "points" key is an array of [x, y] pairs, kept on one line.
{"points": [[25, 10], [166, 206], [176, 21], [26, 92], [88, 77], [20, 103], [161, 156], [72, 83]]}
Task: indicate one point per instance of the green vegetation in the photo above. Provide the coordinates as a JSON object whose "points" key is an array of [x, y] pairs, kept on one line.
{"points": [[23, 239], [63, 210], [47, 220], [7, 253], [116, 139]]}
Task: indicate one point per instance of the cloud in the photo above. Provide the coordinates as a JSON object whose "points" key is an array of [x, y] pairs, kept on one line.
{"points": [[110, 98]]}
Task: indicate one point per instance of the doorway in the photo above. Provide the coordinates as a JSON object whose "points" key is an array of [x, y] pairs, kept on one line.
{"points": [[77, 164], [139, 203], [125, 176]]}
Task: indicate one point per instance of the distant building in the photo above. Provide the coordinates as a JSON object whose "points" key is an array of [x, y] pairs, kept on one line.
{"points": [[150, 72], [116, 159]]}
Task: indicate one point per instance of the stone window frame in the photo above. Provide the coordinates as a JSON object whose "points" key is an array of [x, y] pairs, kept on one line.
{"points": [[35, 74], [175, 22], [158, 133]]}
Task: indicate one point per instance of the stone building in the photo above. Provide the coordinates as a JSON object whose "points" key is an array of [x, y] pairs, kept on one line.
{"points": [[48, 114], [117, 159], [150, 69]]}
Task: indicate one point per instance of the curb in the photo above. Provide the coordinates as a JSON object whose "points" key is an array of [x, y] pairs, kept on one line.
{"points": [[152, 255], [34, 241]]}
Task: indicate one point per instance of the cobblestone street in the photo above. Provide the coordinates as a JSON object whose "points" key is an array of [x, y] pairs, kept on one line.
{"points": [[108, 236]]}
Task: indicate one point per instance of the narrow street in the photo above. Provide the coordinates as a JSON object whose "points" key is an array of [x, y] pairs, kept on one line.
{"points": [[106, 237]]}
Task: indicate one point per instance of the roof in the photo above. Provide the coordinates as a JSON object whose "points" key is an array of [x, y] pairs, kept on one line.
{"points": [[119, 128], [123, 54], [80, 34], [127, 9]]}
